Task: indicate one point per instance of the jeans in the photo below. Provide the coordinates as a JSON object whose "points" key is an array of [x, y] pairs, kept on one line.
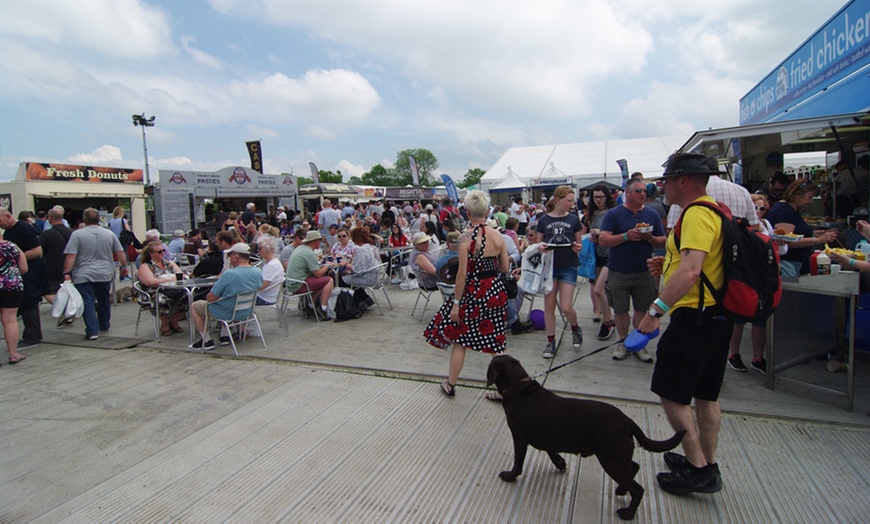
{"points": [[98, 306], [513, 308]]}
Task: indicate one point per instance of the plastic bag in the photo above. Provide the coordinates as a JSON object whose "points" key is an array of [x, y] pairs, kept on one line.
{"points": [[537, 272], [587, 260], [75, 306], [58, 307], [67, 302]]}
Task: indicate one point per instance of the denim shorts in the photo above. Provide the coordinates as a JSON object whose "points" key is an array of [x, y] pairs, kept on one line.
{"points": [[568, 275]]}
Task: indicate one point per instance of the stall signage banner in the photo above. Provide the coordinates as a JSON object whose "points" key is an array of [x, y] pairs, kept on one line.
{"points": [[230, 181], [74, 173], [839, 48], [404, 193], [256, 155], [538, 182]]}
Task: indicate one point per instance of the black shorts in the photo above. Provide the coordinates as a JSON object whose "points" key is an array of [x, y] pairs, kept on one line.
{"points": [[11, 299], [690, 359]]}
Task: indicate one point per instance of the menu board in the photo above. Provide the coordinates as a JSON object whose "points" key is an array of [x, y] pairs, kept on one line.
{"points": [[175, 210]]}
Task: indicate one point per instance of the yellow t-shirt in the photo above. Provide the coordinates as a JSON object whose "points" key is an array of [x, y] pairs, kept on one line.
{"points": [[701, 230]]}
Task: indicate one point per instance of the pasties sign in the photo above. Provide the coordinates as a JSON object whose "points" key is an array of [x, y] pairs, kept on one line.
{"points": [[74, 173]]}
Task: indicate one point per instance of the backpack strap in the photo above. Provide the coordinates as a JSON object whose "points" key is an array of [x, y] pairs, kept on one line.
{"points": [[723, 211]]}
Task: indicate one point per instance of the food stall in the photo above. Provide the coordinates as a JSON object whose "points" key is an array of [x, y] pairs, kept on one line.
{"points": [[180, 197], [816, 100], [40, 186]]}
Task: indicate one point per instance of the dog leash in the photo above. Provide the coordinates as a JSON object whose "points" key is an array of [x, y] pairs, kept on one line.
{"points": [[581, 357]]}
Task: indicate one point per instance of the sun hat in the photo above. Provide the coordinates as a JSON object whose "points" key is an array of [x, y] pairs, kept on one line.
{"points": [[689, 164], [178, 233], [419, 238], [239, 247], [312, 236]]}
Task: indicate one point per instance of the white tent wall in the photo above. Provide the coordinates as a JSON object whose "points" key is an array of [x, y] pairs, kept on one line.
{"points": [[585, 161]]}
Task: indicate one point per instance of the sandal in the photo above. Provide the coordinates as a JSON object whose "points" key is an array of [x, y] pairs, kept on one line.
{"points": [[176, 329], [494, 396], [448, 389], [16, 359], [166, 333]]}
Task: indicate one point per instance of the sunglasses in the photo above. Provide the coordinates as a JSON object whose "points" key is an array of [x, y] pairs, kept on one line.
{"points": [[159, 251], [636, 190], [762, 208], [342, 236]]}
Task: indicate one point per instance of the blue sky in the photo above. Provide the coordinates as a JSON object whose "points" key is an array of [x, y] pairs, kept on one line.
{"points": [[348, 84]]}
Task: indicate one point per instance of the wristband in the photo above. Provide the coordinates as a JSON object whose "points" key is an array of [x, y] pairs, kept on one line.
{"points": [[456, 302], [664, 307], [852, 263], [625, 236]]}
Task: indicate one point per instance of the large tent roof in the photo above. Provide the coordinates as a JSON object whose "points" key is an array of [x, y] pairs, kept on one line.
{"points": [[584, 161]]}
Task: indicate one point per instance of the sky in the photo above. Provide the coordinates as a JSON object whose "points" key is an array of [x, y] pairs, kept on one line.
{"points": [[348, 84]]}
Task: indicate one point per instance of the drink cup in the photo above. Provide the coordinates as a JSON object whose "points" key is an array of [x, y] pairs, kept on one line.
{"points": [[179, 276], [835, 269], [837, 366]]}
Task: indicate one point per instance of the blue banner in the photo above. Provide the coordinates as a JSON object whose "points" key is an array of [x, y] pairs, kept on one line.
{"points": [[623, 168], [834, 53], [450, 187]]}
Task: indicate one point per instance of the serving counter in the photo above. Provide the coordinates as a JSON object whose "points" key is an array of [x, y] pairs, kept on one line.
{"points": [[810, 322]]}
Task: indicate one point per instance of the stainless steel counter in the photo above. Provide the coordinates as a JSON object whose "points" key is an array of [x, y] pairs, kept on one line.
{"points": [[810, 322]]}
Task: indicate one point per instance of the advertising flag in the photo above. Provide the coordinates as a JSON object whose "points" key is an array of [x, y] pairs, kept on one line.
{"points": [[450, 186], [623, 167], [256, 155], [415, 176], [315, 174]]}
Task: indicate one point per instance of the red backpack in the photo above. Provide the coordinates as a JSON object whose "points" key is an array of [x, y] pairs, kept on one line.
{"points": [[752, 285]]}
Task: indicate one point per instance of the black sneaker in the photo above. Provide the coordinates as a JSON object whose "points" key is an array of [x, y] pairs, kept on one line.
{"points": [[606, 331], [760, 366], [686, 480], [577, 337], [518, 328], [225, 341], [736, 363], [26, 344], [199, 345]]}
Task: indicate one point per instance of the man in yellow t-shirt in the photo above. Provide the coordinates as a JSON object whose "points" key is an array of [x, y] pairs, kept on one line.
{"points": [[693, 351]]}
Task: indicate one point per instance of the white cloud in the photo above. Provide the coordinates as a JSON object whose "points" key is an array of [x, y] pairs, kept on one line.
{"points": [[319, 132], [113, 28], [102, 155], [261, 132], [349, 169], [199, 55]]}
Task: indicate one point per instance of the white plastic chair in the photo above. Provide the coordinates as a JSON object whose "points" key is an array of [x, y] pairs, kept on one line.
{"points": [[243, 302]]}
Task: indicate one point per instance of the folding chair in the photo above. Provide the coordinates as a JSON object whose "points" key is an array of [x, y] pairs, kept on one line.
{"points": [[243, 314], [304, 298], [427, 293], [446, 290], [146, 303], [378, 285]]}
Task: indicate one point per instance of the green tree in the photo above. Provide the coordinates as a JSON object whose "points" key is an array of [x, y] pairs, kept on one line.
{"points": [[378, 176], [304, 180], [355, 180], [427, 164], [328, 177], [472, 177]]}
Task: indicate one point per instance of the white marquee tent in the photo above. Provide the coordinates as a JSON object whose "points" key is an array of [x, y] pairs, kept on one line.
{"points": [[583, 162]]}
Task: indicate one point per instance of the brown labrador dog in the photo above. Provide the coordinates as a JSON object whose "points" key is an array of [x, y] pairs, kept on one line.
{"points": [[555, 424]]}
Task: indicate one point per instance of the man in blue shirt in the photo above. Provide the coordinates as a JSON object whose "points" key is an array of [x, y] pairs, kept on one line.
{"points": [[241, 277], [629, 279]]}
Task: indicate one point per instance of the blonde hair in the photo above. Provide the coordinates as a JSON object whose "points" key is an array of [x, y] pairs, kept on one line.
{"points": [[118, 212], [477, 204], [760, 198], [562, 192]]}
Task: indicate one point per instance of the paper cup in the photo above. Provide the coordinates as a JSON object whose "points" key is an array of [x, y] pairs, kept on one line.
{"points": [[835, 269], [837, 366]]}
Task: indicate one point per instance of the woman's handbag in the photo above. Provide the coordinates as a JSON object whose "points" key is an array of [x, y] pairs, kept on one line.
{"points": [[510, 285]]}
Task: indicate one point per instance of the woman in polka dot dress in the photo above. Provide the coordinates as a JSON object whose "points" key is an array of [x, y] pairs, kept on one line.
{"points": [[474, 316]]}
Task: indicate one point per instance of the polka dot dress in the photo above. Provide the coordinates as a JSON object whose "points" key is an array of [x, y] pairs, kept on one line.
{"points": [[482, 308]]}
